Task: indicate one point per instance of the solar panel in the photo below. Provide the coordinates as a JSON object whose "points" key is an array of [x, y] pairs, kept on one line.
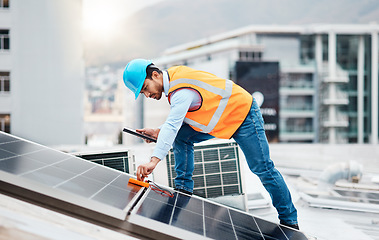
{"points": [[58, 175], [39, 174], [191, 217]]}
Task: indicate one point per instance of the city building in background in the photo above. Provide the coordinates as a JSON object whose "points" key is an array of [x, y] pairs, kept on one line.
{"points": [[105, 109], [109, 107], [42, 70], [327, 77]]}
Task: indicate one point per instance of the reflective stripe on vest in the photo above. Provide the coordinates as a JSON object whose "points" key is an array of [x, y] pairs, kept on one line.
{"points": [[224, 93]]}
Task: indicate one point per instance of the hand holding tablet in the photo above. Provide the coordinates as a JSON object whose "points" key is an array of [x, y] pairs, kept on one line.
{"points": [[135, 133]]}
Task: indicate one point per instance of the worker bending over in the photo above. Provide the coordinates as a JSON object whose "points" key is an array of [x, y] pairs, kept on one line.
{"points": [[204, 106]]}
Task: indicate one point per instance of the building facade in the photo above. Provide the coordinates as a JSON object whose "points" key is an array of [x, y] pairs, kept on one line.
{"points": [[327, 78], [42, 70]]}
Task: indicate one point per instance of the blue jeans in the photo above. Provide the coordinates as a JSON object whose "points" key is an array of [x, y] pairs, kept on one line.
{"points": [[252, 140]]}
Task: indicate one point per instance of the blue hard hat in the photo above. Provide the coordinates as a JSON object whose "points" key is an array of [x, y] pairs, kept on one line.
{"points": [[135, 75]]}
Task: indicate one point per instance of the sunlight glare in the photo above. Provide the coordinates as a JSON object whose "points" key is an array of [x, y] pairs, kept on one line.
{"points": [[101, 18]]}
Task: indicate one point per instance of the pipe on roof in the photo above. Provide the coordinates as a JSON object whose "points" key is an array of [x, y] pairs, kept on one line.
{"points": [[339, 171]]}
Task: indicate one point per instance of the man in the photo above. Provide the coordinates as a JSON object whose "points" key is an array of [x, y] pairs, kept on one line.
{"points": [[204, 106]]}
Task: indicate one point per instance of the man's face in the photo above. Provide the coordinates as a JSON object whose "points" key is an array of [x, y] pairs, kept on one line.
{"points": [[153, 88]]}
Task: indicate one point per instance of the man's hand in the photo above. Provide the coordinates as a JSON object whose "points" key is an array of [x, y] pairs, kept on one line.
{"points": [[149, 131], [145, 169]]}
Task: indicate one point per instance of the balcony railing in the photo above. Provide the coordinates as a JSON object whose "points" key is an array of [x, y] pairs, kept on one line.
{"points": [[341, 75], [296, 129], [296, 107], [339, 79], [296, 84], [340, 97], [341, 120]]}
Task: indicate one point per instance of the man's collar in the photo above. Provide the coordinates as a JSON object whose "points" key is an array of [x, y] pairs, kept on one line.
{"points": [[166, 82]]}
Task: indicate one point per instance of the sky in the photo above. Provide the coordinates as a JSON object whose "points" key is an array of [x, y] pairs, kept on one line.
{"points": [[103, 17], [103, 24], [111, 36]]}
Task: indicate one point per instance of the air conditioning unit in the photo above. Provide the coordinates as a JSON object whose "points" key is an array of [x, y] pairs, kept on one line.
{"points": [[120, 160], [217, 169]]}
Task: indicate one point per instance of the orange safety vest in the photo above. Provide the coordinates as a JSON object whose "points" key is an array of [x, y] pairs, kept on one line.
{"points": [[224, 104]]}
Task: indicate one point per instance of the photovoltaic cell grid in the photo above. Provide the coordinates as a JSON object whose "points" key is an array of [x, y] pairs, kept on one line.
{"points": [[62, 172], [209, 220]]}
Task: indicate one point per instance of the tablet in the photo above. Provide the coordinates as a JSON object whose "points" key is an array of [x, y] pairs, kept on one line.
{"points": [[135, 133]]}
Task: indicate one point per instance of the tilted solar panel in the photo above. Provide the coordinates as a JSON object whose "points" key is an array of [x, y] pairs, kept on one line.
{"points": [[102, 195], [55, 174], [191, 217]]}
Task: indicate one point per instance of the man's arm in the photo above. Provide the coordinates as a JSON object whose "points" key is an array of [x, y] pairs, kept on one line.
{"points": [[180, 103]]}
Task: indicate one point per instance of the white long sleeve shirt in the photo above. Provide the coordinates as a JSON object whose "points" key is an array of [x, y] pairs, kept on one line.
{"points": [[182, 101]]}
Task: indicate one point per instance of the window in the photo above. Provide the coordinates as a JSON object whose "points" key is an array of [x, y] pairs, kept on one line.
{"points": [[4, 3], [4, 82], [5, 123], [4, 39], [307, 48], [347, 52], [250, 56]]}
